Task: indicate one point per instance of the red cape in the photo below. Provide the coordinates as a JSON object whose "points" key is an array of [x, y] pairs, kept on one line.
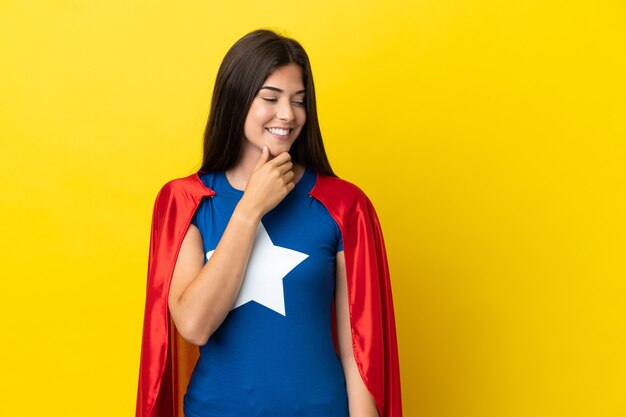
{"points": [[167, 360]]}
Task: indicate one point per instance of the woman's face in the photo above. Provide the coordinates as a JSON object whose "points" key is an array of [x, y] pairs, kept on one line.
{"points": [[277, 113]]}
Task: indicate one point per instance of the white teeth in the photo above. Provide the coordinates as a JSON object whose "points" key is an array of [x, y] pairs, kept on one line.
{"points": [[277, 131]]}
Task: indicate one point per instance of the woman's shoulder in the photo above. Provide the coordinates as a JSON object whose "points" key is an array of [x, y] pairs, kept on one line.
{"points": [[338, 186], [184, 187], [339, 191]]}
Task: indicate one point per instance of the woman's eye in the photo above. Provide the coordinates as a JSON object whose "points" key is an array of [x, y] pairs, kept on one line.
{"points": [[270, 99], [299, 103]]}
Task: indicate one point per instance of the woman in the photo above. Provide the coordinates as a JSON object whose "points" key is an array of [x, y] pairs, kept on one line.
{"points": [[247, 256]]}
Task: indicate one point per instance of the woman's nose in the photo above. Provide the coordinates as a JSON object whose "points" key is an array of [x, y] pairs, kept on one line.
{"points": [[285, 112]]}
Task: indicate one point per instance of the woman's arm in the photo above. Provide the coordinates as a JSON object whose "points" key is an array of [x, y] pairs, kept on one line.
{"points": [[200, 296], [361, 403]]}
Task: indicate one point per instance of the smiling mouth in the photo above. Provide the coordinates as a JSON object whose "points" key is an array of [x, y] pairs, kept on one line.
{"points": [[279, 131]]}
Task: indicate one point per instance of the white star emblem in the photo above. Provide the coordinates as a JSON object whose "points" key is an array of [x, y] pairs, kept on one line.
{"points": [[267, 266]]}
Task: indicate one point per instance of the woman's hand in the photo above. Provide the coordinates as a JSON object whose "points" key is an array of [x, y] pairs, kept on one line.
{"points": [[269, 183]]}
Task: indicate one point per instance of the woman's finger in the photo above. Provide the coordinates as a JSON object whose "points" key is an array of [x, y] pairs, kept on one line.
{"points": [[281, 158], [288, 176], [287, 166], [263, 158]]}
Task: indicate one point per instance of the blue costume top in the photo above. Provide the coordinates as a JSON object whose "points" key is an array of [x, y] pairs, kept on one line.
{"points": [[273, 355]]}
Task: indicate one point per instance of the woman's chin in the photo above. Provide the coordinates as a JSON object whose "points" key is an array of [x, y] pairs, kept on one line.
{"points": [[276, 150]]}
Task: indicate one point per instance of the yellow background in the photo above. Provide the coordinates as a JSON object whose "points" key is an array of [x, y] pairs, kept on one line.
{"points": [[489, 134]]}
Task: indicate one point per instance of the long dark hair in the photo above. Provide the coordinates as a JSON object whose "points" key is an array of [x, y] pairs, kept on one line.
{"points": [[245, 67]]}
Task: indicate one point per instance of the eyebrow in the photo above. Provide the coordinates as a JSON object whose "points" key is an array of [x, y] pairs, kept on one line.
{"points": [[278, 90]]}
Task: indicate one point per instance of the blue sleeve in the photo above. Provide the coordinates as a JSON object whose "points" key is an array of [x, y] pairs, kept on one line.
{"points": [[339, 240], [194, 219]]}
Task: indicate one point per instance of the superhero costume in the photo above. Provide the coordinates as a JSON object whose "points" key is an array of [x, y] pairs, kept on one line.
{"points": [[167, 360]]}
